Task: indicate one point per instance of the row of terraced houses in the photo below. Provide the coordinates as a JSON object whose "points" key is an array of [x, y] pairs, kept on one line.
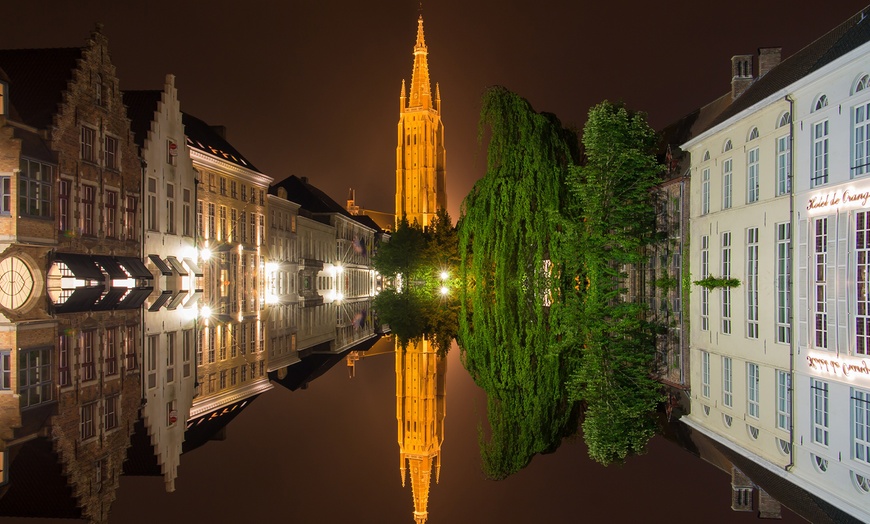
{"points": [[153, 281]]}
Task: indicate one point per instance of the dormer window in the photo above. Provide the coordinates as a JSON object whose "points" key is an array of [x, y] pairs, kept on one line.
{"points": [[821, 103], [753, 134], [784, 120], [706, 156], [728, 146]]}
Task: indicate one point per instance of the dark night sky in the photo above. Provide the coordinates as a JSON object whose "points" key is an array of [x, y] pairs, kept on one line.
{"points": [[311, 88]]}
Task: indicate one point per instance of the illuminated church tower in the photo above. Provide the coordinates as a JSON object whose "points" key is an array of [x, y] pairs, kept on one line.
{"points": [[421, 188], [420, 384]]}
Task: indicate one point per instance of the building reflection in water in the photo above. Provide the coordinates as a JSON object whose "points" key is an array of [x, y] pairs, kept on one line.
{"points": [[152, 282]]}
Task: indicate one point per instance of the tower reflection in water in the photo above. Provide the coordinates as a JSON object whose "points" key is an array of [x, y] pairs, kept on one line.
{"points": [[153, 283]]}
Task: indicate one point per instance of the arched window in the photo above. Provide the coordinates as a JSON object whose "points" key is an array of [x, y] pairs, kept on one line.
{"points": [[862, 84], [706, 156], [753, 134], [821, 103], [785, 119], [728, 146]]}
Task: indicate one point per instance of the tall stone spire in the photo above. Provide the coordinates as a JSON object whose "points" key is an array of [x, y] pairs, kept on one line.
{"points": [[420, 402], [421, 187], [421, 89]]}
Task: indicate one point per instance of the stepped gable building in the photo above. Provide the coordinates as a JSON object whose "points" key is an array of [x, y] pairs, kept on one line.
{"points": [[421, 186], [779, 364], [70, 182], [170, 252]]}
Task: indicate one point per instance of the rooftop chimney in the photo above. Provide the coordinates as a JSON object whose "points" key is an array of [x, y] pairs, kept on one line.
{"points": [[768, 58], [768, 507], [741, 74], [220, 130]]}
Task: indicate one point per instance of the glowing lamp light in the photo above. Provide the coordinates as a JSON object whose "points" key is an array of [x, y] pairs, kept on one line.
{"points": [[205, 312], [205, 253], [444, 290], [271, 267], [339, 270], [444, 275]]}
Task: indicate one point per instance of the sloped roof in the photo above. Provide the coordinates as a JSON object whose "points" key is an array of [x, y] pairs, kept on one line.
{"points": [[37, 81], [141, 106], [203, 137], [37, 486], [844, 38], [308, 196]]}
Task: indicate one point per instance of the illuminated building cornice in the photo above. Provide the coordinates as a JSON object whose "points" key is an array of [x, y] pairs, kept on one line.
{"points": [[210, 161], [227, 398]]}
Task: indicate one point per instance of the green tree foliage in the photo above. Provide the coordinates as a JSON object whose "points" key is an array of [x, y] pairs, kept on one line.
{"points": [[419, 257], [505, 235], [613, 221], [403, 253]]}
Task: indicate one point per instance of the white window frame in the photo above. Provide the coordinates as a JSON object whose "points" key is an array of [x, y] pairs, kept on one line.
{"points": [[705, 191], [705, 374], [861, 139], [820, 295], [753, 390], [782, 281], [783, 399], [820, 410], [752, 282], [727, 382], [862, 283], [783, 165], [753, 176], [860, 404], [819, 151], [727, 177], [726, 291], [705, 293]]}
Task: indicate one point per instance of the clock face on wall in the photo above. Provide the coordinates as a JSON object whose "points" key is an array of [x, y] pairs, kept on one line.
{"points": [[16, 282]]}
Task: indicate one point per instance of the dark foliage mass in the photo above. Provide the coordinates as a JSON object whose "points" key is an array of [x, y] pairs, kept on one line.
{"points": [[543, 247]]}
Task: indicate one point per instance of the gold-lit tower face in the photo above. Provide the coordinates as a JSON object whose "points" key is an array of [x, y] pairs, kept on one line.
{"points": [[420, 388], [421, 188]]}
